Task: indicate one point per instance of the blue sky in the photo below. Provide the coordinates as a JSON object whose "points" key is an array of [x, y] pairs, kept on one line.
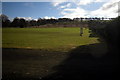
{"points": [[83, 8], [29, 9]]}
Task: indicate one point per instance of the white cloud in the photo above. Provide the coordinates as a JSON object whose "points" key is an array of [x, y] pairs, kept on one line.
{"points": [[35, 19], [65, 6], [109, 4], [74, 13], [85, 2], [56, 3], [47, 17], [26, 18], [101, 0], [78, 2], [109, 9]]}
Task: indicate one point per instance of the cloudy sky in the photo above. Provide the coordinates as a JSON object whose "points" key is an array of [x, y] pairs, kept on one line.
{"points": [[61, 9]]}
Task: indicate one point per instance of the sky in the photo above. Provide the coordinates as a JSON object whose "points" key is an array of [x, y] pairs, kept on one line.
{"points": [[62, 9]]}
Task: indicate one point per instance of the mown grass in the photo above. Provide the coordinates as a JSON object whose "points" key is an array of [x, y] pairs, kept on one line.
{"points": [[40, 53], [56, 39]]}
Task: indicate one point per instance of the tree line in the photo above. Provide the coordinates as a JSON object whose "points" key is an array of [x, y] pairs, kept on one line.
{"points": [[107, 30], [21, 22]]}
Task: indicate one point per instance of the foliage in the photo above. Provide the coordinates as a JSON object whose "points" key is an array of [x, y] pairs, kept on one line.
{"points": [[5, 21], [108, 30], [20, 22]]}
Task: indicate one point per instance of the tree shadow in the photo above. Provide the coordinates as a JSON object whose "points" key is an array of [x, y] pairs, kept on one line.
{"points": [[94, 61], [28, 64]]}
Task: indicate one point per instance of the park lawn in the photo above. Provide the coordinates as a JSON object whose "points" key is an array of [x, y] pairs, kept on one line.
{"points": [[55, 39], [37, 53]]}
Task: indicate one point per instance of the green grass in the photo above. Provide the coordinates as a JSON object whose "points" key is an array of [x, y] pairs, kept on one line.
{"points": [[40, 52], [55, 39]]}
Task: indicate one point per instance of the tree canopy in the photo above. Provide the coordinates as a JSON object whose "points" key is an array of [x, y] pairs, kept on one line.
{"points": [[21, 23]]}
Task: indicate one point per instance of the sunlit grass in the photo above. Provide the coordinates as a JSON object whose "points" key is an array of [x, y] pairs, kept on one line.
{"points": [[57, 39]]}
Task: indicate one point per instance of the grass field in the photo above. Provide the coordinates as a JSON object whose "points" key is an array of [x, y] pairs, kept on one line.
{"points": [[55, 54], [56, 39]]}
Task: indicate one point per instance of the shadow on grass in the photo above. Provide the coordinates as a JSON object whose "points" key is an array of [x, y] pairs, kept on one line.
{"points": [[28, 64], [94, 61]]}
